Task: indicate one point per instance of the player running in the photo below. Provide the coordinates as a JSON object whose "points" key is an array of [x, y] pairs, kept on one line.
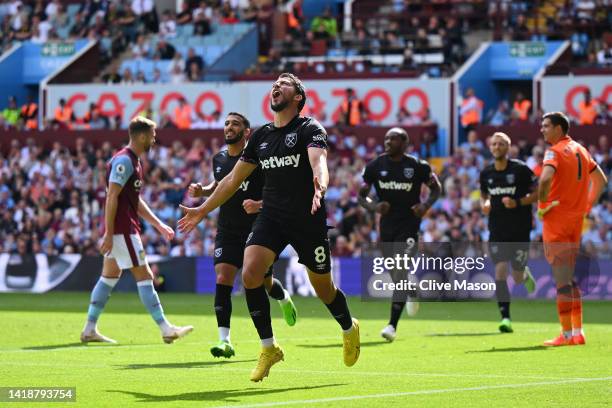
{"points": [[508, 188], [397, 179], [570, 184], [236, 218], [121, 244], [292, 152]]}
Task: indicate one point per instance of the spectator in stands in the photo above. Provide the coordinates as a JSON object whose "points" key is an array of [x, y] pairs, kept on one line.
{"points": [[184, 17], [325, 25], [97, 121], [473, 143], [520, 31], [61, 19], [127, 77], [164, 50], [145, 12], [521, 108], [177, 75], [79, 26], [604, 56], [182, 114], [141, 49], [157, 77], [471, 110], [140, 78], [587, 109], [500, 116], [29, 114], [114, 77], [352, 110], [167, 27], [192, 57], [194, 73], [11, 113], [228, 15], [64, 116]]}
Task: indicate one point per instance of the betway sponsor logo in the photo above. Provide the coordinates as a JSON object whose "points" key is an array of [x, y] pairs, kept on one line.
{"points": [[277, 162], [502, 190], [394, 185], [245, 185]]}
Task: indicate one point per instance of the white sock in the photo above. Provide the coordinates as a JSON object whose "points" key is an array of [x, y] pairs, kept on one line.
{"points": [[269, 342], [577, 332], [224, 334], [165, 327], [347, 331], [90, 327], [109, 281], [285, 300]]}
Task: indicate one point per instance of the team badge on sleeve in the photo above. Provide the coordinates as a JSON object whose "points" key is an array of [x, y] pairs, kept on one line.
{"points": [[549, 155]]}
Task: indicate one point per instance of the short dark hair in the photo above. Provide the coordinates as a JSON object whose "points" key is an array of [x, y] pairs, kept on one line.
{"points": [[140, 124], [245, 121], [558, 119], [299, 88]]}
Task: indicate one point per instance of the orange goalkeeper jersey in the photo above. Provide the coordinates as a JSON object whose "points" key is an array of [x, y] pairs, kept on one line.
{"points": [[570, 185]]}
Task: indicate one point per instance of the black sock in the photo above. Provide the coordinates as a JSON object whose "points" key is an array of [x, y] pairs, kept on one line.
{"points": [[503, 298], [276, 291], [396, 313], [339, 309], [259, 308], [223, 305]]}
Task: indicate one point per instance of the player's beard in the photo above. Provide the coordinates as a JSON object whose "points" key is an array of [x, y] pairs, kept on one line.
{"points": [[279, 106], [236, 139]]}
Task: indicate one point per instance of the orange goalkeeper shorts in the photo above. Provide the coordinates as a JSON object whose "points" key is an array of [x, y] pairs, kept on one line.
{"points": [[561, 237]]}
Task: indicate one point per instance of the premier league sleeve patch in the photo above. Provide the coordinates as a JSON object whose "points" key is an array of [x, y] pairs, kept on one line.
{"points": [[549, 155]]}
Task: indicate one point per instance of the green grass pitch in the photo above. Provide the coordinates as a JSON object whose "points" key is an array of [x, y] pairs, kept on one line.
{"points": [[449, 355]]}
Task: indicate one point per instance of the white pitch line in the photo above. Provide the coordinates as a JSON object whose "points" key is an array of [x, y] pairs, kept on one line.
{"points": [[422, 392]]}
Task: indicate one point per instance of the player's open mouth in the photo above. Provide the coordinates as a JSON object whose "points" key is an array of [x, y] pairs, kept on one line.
{"points": [[276, 94]]}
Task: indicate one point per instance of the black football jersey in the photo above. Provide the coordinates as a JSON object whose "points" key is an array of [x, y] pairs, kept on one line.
{"points": [[231, 213], [282, 155], [399, 183], [515, 181]]}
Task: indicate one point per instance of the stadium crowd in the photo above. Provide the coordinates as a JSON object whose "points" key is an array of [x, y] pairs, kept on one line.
{"points": [[52, 201]]}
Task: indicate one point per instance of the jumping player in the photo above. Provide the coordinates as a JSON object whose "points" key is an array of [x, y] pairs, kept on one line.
{"points": [[121, 244], [292, 152], [508, 188], [236, 218]]}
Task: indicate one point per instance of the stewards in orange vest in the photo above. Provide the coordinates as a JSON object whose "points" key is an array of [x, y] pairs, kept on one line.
{"points": [[29, 114], [64, 115], [587, 109], [471, 110], [352, 108], [182, 115], [521, 107]]}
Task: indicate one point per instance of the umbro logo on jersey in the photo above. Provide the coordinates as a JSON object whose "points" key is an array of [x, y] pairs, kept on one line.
{"points": [[502, 191], [245, 185], [277, 162], [218, 169], [263, 145], [394, 185], [291, 139]]}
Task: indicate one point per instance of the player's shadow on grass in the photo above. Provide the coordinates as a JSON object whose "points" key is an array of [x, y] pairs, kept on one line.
{"points": [[65, 345], [220, 395], [509, 349], [463, 334], [192, 364], [335, 345]]}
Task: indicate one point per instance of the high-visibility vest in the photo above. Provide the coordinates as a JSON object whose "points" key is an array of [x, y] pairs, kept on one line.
{"points": [[471, 116], [523, 109], [182, 117], [588, 113], [64, 115], [355, 115], [292, 21], [28, 112]]}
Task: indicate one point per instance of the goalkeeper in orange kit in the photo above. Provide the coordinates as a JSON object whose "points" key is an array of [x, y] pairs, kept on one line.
{"points": [[570, 184]]}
